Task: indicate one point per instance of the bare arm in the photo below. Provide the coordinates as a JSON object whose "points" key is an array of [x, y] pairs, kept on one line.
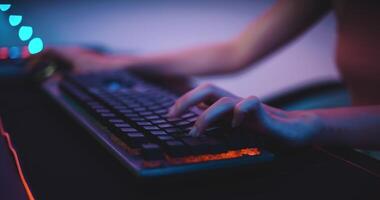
{"points": [[353, 126], [276, 27], [284, 21]]}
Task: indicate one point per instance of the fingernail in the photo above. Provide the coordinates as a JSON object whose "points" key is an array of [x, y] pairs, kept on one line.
{"points": [[193, 132]]}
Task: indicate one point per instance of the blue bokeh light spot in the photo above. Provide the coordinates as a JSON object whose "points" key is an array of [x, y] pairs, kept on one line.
{"points": [[25, 33], [14, 52], [35, 45], [5, 7], [15, 20]]}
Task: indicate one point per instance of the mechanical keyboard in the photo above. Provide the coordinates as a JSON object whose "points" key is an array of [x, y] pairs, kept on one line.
{"points": [[127, 114]]}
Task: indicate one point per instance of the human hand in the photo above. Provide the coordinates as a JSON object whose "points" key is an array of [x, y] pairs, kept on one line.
{"points": [[78, 60], [290, 127]]}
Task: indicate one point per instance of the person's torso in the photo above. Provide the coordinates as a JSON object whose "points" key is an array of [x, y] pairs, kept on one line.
{"points": [[358, 48]]}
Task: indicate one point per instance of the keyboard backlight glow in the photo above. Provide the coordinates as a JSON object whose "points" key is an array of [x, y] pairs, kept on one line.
{"points": [[221, 156]]}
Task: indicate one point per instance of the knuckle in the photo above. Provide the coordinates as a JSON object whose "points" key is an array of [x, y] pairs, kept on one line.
{"points": [[253, 100], [207, 86], [249, 104], [224, 99]]}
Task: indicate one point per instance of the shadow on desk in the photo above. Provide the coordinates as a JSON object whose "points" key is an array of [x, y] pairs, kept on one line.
{"points": [[62, 161]]}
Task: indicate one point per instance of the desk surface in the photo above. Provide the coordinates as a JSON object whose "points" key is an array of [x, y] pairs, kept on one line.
{"points": [[62, 161]]}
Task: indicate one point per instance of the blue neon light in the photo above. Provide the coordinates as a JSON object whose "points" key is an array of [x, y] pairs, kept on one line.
{"points": [[14, 52], [5, 7], [35, 45], [15, 20], [25, 33]]}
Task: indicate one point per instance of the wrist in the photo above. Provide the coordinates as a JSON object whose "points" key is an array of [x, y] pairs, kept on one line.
{"points": [[319, 127]]}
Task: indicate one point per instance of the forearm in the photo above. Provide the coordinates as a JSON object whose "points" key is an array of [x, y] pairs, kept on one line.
{"points": [[284, 21], [202, 60], [355, 126]]}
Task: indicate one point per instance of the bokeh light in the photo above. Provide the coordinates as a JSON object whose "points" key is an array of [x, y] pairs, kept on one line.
{"points": [[25, 33], [15, 20], [35, 45], [5, 7]]}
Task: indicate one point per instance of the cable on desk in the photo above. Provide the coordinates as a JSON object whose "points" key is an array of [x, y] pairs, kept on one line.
{"points": [[17, 161]]}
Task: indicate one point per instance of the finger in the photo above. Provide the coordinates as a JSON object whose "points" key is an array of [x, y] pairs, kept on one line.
{"points": [[250, 105], [200, 94], [215, 112]]}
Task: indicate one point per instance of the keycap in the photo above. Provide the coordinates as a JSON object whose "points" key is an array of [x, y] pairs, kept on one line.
{"points": [[196, 145], [165, 125], [147, 113], [158, 121], [176, 148], [152, 117], [128, 130], [116, 120], [172, 130], [158, 133], [107, 115], [137, 119], [214, 145], [151, 151], [130, 115], [162, 111], [151, 128], [122, 125], [163, 138], [135, 139], [143, 123]]}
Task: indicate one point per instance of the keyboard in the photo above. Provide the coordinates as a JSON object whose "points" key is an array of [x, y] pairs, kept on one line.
{"points": [[128, 115]]}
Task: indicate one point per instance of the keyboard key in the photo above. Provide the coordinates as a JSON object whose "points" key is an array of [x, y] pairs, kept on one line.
{"points": [[176, 148], [149, 128], [139, 109], [158, 121], [122, 125], [147, 113], [152, 117], [135, 140], [214, 145], [165, 125], [131, 115], [174, 119], [151, 151], [196, 145], [116, 120], [158, 133], [143, 123], [107, 115], [162, 111], [172, 130], [126, 111], [163, 138], [128, 130], [137, 119]]}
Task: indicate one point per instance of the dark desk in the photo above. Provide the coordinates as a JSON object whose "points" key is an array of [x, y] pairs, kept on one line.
{"points": [[62, 161]]}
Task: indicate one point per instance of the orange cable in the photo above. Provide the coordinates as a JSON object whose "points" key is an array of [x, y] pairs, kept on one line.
{"points": [[17, 161]]}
